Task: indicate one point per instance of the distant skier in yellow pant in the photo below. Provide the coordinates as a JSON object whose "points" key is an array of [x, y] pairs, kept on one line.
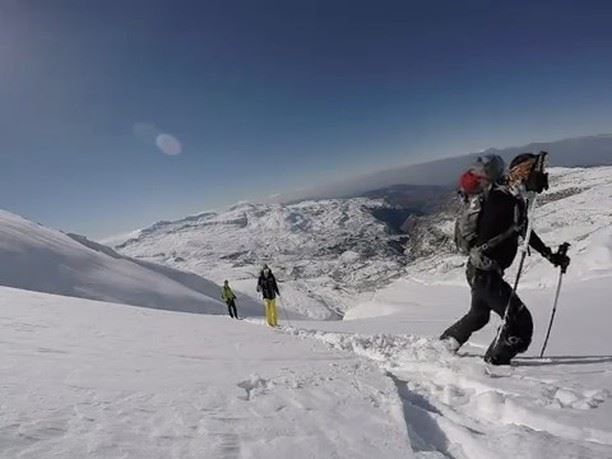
{"points": [[269, 290], [271, 318]]}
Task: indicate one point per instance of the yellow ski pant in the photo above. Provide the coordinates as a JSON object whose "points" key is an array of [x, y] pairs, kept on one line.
{"points": [[271, 318]]}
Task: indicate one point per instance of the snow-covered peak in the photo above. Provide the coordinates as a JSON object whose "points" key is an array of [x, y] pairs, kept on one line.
{"points": [[323, 252], [243, 205]]}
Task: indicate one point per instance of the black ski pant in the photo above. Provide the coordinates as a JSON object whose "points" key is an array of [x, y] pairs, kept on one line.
{"points": [[490, 292], [231, 308]]}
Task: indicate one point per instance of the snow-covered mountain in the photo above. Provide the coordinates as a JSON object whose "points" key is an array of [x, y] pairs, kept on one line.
{"points": [[37, 258], [323, 252], [576, 209], [330, 254]]}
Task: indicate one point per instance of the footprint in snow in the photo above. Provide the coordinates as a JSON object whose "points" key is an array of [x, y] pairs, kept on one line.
{"points": [[567, 398], [253, 386]]}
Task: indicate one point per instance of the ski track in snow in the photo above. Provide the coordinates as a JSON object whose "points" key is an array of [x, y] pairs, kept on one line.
{"points": [[460, 407]]}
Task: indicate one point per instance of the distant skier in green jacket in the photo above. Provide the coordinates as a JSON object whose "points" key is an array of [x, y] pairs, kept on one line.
{"points": [[230, 299]]}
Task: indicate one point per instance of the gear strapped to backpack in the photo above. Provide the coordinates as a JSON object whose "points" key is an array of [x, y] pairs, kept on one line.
{"points": [[466, 225], [466, 231], [474, 186]]}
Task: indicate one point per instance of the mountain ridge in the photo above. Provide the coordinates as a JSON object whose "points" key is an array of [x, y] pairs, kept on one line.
{"points": [[583, 151]]}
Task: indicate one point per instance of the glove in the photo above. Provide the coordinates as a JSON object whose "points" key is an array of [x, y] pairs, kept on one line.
{"points": [[559, 258]]}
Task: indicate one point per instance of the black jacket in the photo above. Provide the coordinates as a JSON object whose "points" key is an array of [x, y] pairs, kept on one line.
{"points": [[267, 286], [496, 217]]}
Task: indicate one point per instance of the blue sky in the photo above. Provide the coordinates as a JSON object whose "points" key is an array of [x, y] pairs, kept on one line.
{"points": [[266, 96]]}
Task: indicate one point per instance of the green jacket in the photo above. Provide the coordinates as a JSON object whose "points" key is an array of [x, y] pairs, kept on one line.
{"points": [[227, 294]]}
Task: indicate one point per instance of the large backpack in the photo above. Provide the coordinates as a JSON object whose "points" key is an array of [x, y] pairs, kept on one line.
{"points": [[474, 187]]}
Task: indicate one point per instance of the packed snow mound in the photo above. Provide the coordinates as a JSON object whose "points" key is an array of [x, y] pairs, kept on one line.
{"points": [[36, 258], [577, 208], [322, 252]]}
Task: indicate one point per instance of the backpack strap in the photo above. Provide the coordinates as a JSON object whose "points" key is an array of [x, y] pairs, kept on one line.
{"points": [[495, 241], [516, 228]]}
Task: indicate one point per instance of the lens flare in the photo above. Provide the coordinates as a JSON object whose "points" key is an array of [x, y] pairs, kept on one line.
{"points": [[151, 135], [169, 144]]}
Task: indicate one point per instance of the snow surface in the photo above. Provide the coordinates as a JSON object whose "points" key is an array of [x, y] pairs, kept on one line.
{"points": [[89, 379], [37, 258], [555, 407]]}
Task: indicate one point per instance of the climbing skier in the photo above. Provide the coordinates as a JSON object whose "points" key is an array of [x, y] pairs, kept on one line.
{"points": [[266, 284], [488, 230], [229, 297]]}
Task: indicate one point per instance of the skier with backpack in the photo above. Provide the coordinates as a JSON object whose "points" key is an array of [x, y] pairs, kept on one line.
{"points": [[488, 228], [266, 285]]}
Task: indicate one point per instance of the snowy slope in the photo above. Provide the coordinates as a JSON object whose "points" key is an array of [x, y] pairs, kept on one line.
{"points": [[37, 258], [89, 379], [324, 252], [556, 407], [83, 378]]}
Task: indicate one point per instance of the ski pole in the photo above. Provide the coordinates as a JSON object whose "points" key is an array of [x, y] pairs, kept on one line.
{"points": [[524, 249], [563, 251], [535, 186]]}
